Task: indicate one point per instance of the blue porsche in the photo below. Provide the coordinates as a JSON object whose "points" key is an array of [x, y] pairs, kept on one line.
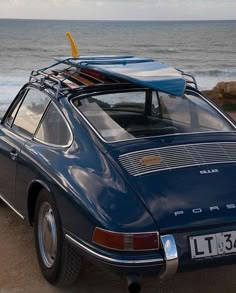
{"points": [[120, 160]]}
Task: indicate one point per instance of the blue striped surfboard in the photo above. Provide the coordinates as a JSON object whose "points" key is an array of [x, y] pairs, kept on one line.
{"points": [[144, 72]]}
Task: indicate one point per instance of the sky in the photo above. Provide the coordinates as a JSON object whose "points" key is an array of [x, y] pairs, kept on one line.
{"points": [[119, 9]]}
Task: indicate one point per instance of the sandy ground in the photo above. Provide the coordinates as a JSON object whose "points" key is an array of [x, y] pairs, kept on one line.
{"points": [[19, 271]]}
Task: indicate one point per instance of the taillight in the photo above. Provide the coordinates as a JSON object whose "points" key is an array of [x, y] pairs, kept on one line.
{"points": [[126, 241]]}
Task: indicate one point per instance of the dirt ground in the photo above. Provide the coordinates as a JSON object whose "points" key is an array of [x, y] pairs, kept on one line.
{"points": [[19, 271]]}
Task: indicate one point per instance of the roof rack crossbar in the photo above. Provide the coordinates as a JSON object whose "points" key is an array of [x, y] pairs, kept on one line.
{"points": [[40, 76], [54, 64], [186, 76]]}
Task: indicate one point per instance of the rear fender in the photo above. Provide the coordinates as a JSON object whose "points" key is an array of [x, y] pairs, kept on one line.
{"points": [[33, 191]]}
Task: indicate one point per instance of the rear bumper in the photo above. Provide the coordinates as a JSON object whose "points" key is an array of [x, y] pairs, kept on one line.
{"points": [[175, 255], [163, 262]]}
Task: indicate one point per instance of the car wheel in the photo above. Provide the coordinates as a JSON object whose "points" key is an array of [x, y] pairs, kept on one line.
{"points": [[59, 260]]}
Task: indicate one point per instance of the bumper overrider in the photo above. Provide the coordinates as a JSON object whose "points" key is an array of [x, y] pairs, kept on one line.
{"points": [[164, 262]]}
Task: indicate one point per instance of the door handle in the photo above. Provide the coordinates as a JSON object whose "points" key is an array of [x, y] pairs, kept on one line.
{"points": [[13, 155]]}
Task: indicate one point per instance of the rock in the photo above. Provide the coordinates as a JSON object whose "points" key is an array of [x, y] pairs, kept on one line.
{"points": [[223, 93], [220, 87], [230, 89]]}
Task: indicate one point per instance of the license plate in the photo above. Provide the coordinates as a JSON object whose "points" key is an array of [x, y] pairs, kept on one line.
{"points": [[213, 244]]}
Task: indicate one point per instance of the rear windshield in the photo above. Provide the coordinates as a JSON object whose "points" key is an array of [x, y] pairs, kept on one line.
{"points": [[145, 113]]}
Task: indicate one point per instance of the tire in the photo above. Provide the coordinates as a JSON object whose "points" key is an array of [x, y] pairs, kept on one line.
{"points": [[58, 260]]}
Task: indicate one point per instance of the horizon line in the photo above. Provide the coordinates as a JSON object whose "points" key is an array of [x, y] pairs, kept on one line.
{"points": [[144, 20]]}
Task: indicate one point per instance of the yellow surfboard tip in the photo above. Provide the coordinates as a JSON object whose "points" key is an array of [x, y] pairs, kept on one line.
{"points": [[74, 48]]}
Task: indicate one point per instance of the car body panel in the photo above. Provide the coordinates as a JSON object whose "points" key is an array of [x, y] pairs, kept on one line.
{"points": [[189, 196], [187, 199]]}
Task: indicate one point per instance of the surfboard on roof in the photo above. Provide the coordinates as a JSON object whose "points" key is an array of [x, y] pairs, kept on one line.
{"points": [[140, 71]]}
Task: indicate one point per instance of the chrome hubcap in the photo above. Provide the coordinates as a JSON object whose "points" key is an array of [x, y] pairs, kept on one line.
{"points": [[47, 235]]}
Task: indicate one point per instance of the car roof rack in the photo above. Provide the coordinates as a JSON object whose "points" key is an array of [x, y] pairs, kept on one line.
{"points": [[109, 69], [68, 78], [190, 79]]}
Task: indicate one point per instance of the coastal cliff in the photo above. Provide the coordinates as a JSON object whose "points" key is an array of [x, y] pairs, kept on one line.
{"points": [[223, 94]]}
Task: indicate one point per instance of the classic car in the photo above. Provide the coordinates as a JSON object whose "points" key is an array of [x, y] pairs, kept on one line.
{"points": [[122, 161]]}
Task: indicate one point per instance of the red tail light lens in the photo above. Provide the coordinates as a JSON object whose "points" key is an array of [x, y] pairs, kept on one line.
{"points": [[108, 239], [126, 241], [146, 241]]}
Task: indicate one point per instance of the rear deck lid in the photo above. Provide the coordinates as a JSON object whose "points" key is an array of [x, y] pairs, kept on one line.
{"points": [[185, 186]]}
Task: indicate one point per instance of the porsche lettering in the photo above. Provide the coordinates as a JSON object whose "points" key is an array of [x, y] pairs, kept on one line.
{"points": [[211, 209], [212, 171]]}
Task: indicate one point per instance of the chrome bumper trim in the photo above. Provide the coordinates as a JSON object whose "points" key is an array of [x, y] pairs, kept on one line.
{"points": [[10, 206], [171, 256], [115, 261]]}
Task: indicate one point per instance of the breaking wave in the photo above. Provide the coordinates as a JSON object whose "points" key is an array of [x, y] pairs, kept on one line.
{"points": [[9, 87], [215, 73], [207, 79]]}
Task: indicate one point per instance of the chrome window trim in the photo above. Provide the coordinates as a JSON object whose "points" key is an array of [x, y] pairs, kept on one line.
{"points": [[14, 105], [32, 137], [159, 136], [17, 102], [30, 88], [10, 206], [67, 124], [216, 108], [114, 261]]}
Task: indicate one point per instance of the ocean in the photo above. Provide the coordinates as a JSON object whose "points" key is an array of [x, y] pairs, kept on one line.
{"points": [[205, 49]]}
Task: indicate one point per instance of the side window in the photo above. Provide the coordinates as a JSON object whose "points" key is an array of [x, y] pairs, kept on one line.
{"points": [[53, 129], [207, 117], [10, 118], [30, 112], [175, 108]]}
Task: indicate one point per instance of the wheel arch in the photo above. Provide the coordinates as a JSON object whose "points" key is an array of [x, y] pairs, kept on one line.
{"points": [[33, 191]]}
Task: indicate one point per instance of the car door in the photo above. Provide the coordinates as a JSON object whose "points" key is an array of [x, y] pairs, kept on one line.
{"points": [[43, 157], [17, 128], [9, 146]]}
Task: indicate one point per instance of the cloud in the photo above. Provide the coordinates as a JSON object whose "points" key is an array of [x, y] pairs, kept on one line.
{"points": [[71, 3], [78, 2], [119, 9]]}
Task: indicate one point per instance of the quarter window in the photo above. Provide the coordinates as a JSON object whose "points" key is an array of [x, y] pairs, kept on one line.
{"points": [[30, 112], [10, 118], [53, 129], [175, 108]]}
